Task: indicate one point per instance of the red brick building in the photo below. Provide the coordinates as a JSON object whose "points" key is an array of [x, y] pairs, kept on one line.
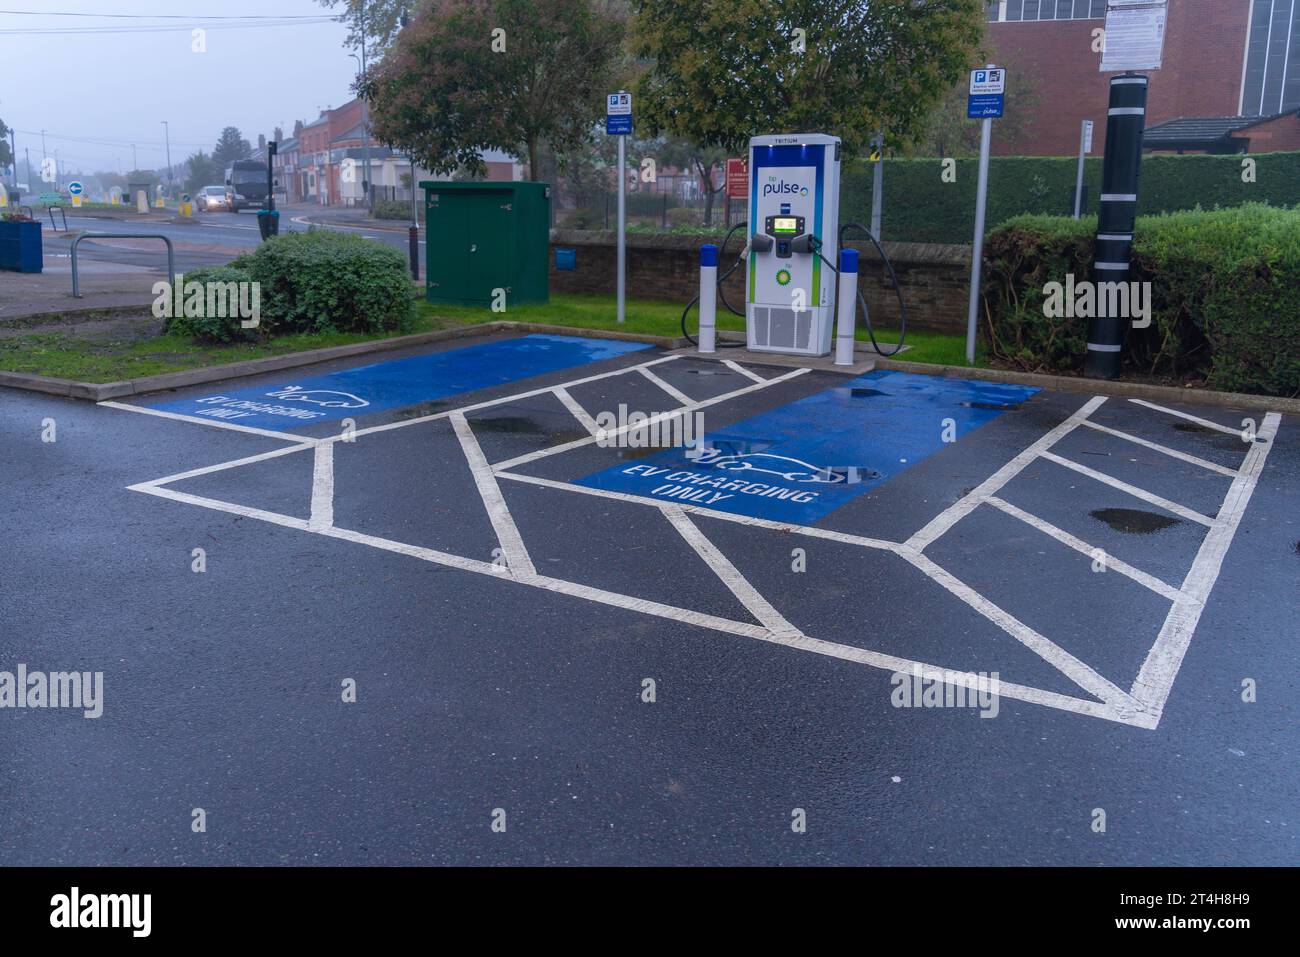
{"points": [[1222, 58]]}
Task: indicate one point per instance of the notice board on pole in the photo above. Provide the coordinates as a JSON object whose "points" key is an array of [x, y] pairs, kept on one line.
{"points": [[1135, 35]]}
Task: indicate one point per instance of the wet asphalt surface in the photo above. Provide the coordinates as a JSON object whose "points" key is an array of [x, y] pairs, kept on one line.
{"points": [[223, 689]]}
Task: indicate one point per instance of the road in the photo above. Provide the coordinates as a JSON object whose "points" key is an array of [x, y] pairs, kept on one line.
{"points": [[624, 655], [213, 239]]}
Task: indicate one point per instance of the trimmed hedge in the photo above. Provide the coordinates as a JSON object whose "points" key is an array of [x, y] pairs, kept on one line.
{"points": [[920, 207], [1225, 295]]}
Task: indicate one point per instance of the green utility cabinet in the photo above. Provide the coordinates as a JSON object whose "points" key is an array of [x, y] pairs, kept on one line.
{"points": [[486, 236]]}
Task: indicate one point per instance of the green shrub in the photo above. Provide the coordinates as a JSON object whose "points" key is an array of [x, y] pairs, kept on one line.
{"points": [[396, 209], [685, 216], [1225, 288], [212, 326], [322, 281], [583, 219]]}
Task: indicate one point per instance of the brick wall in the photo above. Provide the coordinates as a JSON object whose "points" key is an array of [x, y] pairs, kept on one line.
{"points": [[935, 279], [1274, 136], [1200, 76]]}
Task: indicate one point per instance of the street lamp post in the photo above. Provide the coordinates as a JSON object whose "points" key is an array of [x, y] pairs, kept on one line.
{"points": [[167, 133], [365, 111]]}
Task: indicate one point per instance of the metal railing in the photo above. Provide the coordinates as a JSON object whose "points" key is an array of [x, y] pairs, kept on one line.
{"points": [[171, 254], [53, 225]]}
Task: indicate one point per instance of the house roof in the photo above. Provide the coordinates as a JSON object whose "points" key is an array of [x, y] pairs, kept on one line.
{"points": [[1200, 132]]}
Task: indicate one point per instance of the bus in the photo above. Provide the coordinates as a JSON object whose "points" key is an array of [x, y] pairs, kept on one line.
{"points": [[245, 185]]}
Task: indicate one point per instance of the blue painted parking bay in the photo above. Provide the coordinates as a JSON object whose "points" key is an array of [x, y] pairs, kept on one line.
{"points": [[398, 383], [800, 462]]}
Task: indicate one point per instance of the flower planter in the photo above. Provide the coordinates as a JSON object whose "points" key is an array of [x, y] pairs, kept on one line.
{"points": [[20, 246]]}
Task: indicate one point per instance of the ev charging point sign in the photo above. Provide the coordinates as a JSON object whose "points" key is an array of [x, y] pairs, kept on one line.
{"points": [[618, 114], [987, 89]]}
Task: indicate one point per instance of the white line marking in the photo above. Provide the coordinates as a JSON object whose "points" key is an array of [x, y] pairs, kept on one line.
{"points": [[578, 412], [1190, 418], [322, 487], [964, 506], [220, 467], [687, 616], [1056, 656], [736, 583], [1156, 678], [668, 387], [647, 424], [198, 420], [489, 403], [1164, 450], [1151, 497], [701, 510], [737, 367], [512, 544], [1079, 545]]}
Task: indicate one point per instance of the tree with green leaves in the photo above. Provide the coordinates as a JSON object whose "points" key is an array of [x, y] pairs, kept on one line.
{"points": [[704, 162], [947, 131], [377, 20], [231, 146], [470, 75], [6, 155], [720, 73], [203, 170]]}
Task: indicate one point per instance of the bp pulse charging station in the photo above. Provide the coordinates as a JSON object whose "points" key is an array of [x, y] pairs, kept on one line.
{"points": [[794, 202]]}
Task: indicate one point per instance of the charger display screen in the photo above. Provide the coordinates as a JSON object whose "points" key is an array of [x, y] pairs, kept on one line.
{"points": [[785, 224]]}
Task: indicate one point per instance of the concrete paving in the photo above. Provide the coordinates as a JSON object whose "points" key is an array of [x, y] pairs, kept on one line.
{"points": [[625, 672]]}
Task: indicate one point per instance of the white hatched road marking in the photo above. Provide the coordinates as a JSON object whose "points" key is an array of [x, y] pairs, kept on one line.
{"points": [[1079, 545], [1164, 450], [1150, 497], [668, 387], [990, 486], [1142, 706], [578, 412], [1156, 679], [1226, 429], [737, 367], [512, 544]]}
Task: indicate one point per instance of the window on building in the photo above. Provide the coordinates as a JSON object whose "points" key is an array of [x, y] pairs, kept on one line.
{"points": [[1010, 11], [1272, 79]]}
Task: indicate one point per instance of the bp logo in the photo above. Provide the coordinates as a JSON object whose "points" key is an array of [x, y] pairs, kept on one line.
{"points": [[783, 277]]}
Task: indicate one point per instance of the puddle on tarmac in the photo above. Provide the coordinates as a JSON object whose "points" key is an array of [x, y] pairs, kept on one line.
{"points": [[1134, 521], [516, 424], [708, 372], [994, 406], [864, 393]]}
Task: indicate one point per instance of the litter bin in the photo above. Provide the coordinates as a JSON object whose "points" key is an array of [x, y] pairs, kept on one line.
{"points": [[268, 222]]}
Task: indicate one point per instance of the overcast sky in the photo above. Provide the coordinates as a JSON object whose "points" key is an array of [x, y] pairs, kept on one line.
{"points": [[96, 94]]}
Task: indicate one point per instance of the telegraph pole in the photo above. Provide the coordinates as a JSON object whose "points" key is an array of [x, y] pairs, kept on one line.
{"points": [[168, 134]]}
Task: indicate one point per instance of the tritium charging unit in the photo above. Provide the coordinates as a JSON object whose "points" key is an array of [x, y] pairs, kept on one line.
{"points": [[794, 202]]}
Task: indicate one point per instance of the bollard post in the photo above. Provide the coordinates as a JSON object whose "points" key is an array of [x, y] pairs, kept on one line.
{"points": [[846, 307], [708, 297]]}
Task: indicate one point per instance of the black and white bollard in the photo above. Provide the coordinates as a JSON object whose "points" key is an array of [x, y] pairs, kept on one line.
{"points": [[846, 307], [1116, 216], [708, 297]]}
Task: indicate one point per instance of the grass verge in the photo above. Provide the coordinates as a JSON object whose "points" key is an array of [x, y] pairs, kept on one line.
{"points": [[73, 355], [658, 318]]}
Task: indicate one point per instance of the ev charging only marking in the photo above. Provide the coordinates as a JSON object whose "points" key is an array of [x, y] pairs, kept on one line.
{"points": [[1140, 706]]}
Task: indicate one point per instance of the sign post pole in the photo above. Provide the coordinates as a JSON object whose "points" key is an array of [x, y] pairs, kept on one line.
{"points": [[1085, 147], [987, 87], [618, 122]]}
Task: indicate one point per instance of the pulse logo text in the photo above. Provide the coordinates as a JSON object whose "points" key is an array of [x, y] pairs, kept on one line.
{"points": [[781, 187]]}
